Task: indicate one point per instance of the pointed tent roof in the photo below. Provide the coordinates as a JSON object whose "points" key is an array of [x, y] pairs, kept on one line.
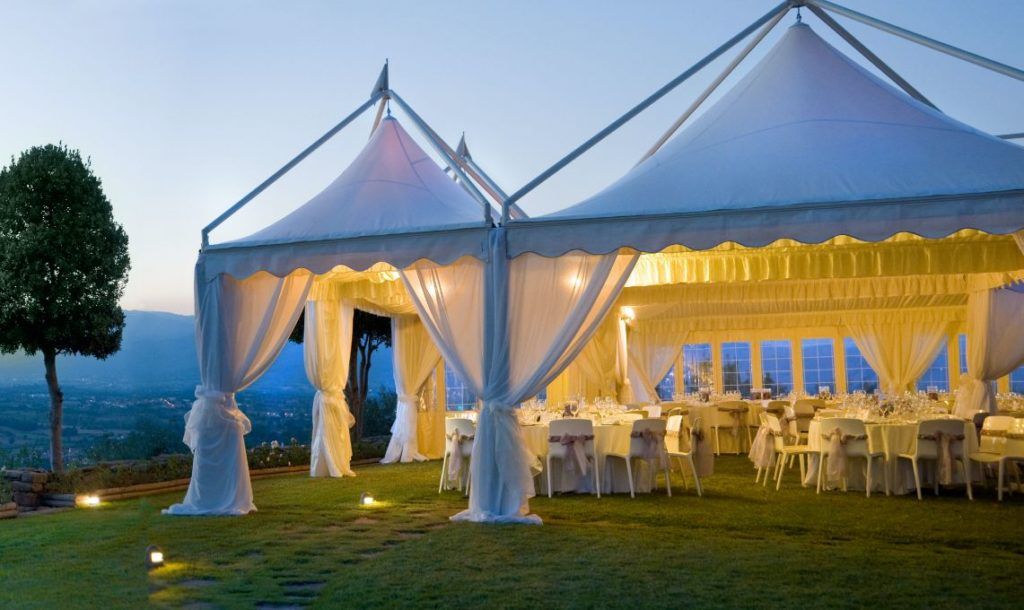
{"points": [[808, 145], [391, 189]]}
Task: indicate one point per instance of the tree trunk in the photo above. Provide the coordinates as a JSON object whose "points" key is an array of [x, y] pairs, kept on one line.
{"points": [[56, 411]]}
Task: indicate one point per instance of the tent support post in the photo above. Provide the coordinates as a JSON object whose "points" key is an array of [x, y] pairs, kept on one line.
{"points": [[1012, 136], [635, 110], [931, 43], [380, 114], [714, 85], [446, 153], [287, 167], [869, 55]]}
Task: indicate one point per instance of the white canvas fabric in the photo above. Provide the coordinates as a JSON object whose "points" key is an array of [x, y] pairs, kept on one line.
{"points": [[899, 352], [327, 349], [651, 355], [808, 146], [392, 204], [415, 358], [526, 319], [241, 326], [995, 346]]}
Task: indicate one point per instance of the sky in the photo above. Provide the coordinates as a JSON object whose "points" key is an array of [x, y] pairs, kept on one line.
{"points": [[184, 106]]}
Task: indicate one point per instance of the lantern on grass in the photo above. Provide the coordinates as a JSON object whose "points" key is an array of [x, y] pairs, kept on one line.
{"points": [[90, 500], [366, 499], [154, 557]]}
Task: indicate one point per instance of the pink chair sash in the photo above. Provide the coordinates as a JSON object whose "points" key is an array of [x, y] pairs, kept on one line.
{"points": [[763, 448], [703, 453], [654, 445], [944, 444], [837, 453], [575, 444]]}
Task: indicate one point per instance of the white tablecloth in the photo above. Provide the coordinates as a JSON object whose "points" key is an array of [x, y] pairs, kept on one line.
{"points": [[607, 438], [892, 439]]}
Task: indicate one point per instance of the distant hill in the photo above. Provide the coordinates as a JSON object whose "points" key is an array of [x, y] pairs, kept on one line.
{"points": [[158, 352]]}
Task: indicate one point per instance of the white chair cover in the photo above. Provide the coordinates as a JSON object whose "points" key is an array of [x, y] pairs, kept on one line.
{"points": [[415, 358], [540, 312], [241, 326], [327, 345]]}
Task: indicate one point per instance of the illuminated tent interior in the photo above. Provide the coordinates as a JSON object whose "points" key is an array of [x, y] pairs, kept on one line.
{"points": [[812, 200]]}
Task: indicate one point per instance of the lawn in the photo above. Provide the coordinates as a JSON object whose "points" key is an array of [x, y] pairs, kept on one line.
{"points": [[311, 545]]}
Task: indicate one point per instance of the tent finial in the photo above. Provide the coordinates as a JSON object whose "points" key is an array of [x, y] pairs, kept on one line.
{"points": [[382, 84], [799, 17]]}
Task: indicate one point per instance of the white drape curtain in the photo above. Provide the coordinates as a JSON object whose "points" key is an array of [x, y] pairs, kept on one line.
{"points": [[594, 371], [415, 358], [995, 345], [327, 347], [540, 312], [241, 326], [622, 361], [651, 356], [899, 352]]}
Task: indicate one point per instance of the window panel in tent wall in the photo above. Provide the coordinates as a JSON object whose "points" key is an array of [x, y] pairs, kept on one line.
{"points": [[698, 366], [736, 367], [818, 355], [860, 377], [667, 386], [777, 366], [1017, 381], [937, 374], [458, 396], [962, 343]]}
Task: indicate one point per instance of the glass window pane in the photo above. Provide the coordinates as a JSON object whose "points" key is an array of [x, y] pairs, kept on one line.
{"points": [[667, 386], [1017, 381], [962, 339], [818, 365], [859, 374], [736, 368], [697, 366], [777, 367], [458, 396], [938, 373]]}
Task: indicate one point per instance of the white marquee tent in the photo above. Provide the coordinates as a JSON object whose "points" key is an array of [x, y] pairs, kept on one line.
{"points": [[812, 190]]}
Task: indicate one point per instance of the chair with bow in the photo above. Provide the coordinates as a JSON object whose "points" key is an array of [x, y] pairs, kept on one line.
{"points": [[992, 446], [802, 412], [685, 458], [731, 415], [459, 433], [646, 443], [787, 447], [941, 441], [571, 441], [653, 411], [844, 438]]}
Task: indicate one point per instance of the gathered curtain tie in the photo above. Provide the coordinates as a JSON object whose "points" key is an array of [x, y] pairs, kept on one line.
{"points": [[575, 444], [944, 444], [209, 404]]}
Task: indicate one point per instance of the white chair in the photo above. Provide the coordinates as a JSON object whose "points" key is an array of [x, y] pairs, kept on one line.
{"points": [[857, 445], [574, 431], [458, 433], [926, 446], [653, 411], [640, 448], [674, 430], [785, 451], [994, 445], [731, 415], [802, 412]]}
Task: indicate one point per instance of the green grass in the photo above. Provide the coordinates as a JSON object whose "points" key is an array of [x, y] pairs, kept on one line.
{"points": [[310, 544]]}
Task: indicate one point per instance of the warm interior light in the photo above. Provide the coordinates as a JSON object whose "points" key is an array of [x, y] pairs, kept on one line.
{"points": [[154, 557], [366, 499], [628, 313], [89, 500]]}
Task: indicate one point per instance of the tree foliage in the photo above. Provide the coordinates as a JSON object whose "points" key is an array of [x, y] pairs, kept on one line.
{"points": [[63, 264]]}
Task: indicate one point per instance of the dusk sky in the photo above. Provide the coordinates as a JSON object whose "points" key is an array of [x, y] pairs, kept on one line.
{"points": [[185, 106]]}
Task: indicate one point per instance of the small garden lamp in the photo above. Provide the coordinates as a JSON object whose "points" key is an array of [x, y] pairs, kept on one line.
{"points": [[366, 499], [90, 500], [154, 557]]}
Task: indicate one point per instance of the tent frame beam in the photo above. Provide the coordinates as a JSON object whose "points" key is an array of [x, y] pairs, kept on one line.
{"points": [[462, 152], [643, 105], [869, 55]]}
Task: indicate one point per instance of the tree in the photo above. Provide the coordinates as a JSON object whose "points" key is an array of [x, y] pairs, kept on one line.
{"points": [[63, 266], [369, 333]]}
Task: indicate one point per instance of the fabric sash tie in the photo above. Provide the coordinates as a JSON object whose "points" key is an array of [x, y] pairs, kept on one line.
{"points": [[944, 445], [654, 445], [209, 406], [455, 440], [575, 445], [762, 449], [837, 453], [702, 452]]}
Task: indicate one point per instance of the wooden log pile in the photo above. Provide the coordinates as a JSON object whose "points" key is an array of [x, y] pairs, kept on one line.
{"points": [[27, 487]]}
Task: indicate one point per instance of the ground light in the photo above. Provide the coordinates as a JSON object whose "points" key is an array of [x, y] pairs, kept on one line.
{"points": [[366, 499], [90, 500], [154, 557]]}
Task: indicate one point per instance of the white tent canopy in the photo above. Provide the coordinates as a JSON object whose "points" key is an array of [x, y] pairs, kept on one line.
{"points": [[808, 145]]}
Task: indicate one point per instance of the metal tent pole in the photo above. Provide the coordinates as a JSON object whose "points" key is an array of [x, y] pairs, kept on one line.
{"points": [[287, 167], [632, 112], [714, 85], [1012, 136], [931, 43], [442, 150], [462, 152], [870, 56]]}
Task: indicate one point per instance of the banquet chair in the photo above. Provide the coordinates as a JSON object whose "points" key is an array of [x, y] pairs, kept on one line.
{"points": [[673, 439], [785, 451], [813, 403], [466, 430], [802, 412], [650, 451], [857, 445], [581, 431], [653, 411], [992, 446], [731, 415], [777, 407], [926, 446]]}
